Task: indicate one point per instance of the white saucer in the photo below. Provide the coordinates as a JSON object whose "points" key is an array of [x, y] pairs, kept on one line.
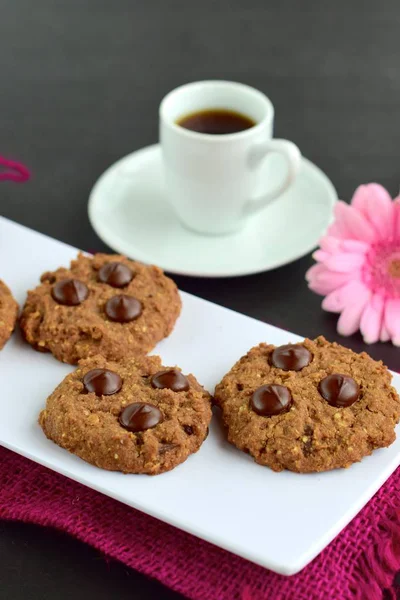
{"points": [[129, 212]]}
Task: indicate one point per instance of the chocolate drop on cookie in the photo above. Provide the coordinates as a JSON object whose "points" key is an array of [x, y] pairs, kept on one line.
{"points": [[123, 308], [140, 416], [69, 292], [115, 274], [171, 379], [269, 400], [102, 382], [291, 357], [339, 390]]}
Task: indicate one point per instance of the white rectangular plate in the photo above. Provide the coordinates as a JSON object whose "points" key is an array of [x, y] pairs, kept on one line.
{"points": [[214, 493]]}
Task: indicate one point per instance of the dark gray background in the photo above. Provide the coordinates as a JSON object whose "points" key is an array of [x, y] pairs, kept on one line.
{"points": [[80, 85]]}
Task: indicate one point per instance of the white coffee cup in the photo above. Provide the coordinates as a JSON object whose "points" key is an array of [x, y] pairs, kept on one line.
{"points": [[212, 179]]}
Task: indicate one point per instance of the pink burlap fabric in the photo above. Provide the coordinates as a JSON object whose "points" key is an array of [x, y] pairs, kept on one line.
{"points": [[360, 563], [13, 171]]}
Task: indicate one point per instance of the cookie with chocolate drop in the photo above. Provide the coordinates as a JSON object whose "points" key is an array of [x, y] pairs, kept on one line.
{"points": [[134, 416], [312, 406], [105, 304]]}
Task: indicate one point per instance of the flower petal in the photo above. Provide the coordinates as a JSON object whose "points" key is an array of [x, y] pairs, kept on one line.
{"points": [[355, 246], [326, 281], [338, 232], [375, 203], [313, 271], [360, 198], [396, 209], [337, 300], [349, 320], [384, 337], [344, 262], [321, 256], [392, 320], [371, 320], [330, 243], [320, 288], [349, 218]]}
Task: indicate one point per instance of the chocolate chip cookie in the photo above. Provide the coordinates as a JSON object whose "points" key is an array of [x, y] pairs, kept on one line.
{"points": [[308, 407], [8, 313], [134, 416], [107, 305]]}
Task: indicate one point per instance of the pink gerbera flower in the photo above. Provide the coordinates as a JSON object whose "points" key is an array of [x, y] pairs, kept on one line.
{"points": [[358, 266]]}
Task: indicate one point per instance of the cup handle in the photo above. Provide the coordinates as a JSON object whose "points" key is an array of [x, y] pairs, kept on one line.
{"points": [[293, 159]]}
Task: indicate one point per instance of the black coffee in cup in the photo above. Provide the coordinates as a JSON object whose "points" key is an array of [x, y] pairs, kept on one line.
{"points": [[216, 121]]}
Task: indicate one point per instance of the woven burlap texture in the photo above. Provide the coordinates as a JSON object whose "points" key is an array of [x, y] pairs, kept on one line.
{"points": [[358, 564]]}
